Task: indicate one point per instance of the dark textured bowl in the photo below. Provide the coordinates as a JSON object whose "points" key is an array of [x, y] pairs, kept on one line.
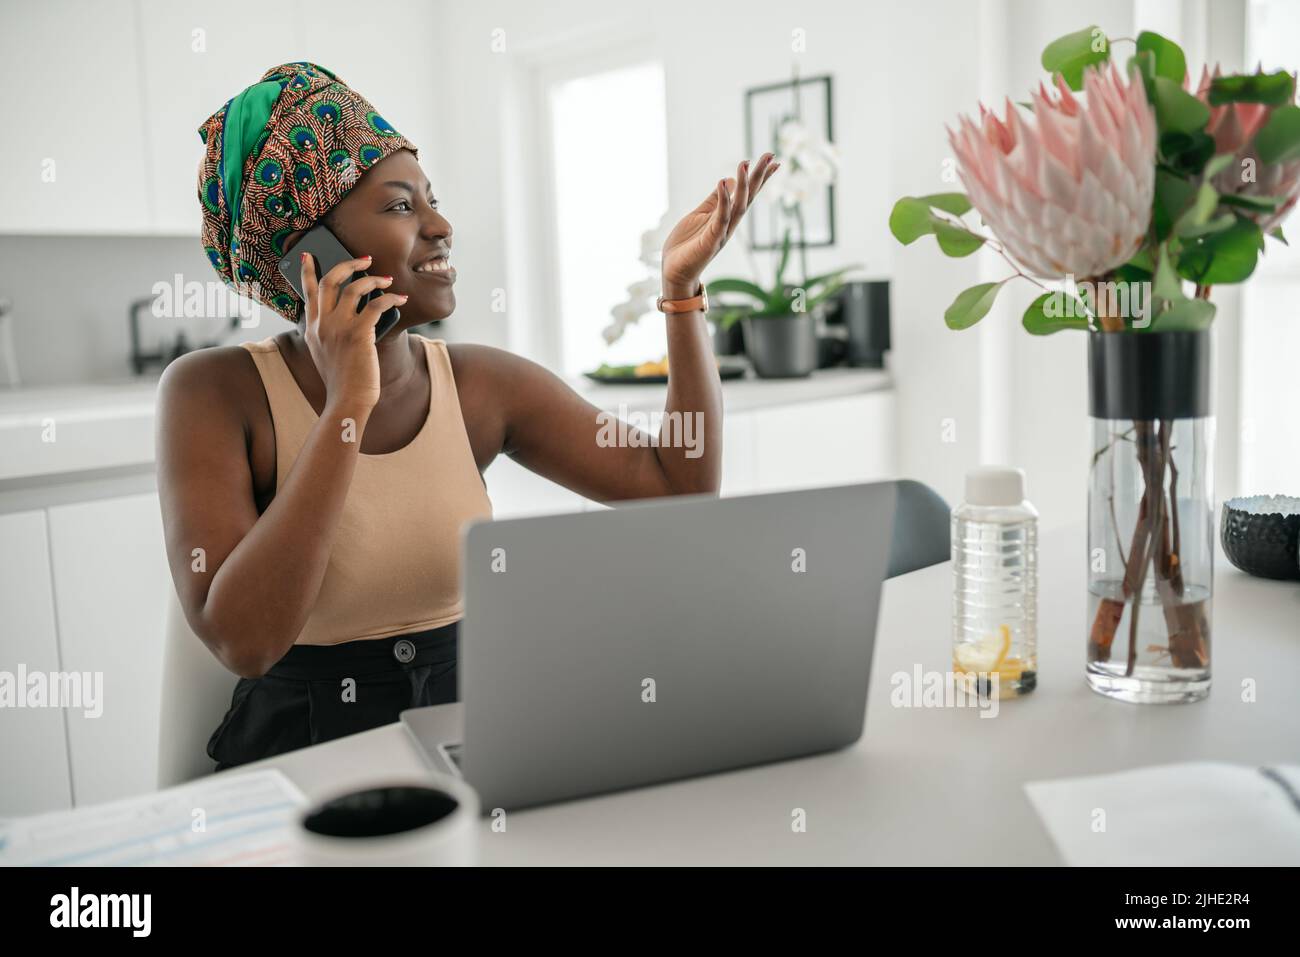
{"points": [[1260, 535]]}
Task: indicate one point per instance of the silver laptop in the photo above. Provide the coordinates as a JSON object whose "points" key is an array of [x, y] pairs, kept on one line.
{"points": [[659, 640]]}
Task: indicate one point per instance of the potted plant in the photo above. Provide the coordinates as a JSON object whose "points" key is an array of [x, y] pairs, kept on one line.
{"points": [[1134, 199], [779, 325], [779, 320]]}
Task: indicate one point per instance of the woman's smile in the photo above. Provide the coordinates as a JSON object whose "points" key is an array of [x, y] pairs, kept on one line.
{"points": [[437, 268]]}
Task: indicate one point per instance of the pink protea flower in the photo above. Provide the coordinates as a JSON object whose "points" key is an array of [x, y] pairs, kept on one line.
{"points": [[1068, 191], [1233, 126]]}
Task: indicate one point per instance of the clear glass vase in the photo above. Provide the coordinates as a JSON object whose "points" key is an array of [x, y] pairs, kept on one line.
{"points": [[1150, 559], [1150, 516]]}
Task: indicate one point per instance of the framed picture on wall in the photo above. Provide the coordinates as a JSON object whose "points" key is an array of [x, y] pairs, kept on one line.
{"points": [[767, 108]]}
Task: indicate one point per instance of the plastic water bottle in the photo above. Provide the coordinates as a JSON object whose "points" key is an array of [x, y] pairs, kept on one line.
{"points": [[995, 583]]}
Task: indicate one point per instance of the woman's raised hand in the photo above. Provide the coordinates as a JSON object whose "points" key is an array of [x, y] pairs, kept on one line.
{"points": [[340, 339], [703, 231]]}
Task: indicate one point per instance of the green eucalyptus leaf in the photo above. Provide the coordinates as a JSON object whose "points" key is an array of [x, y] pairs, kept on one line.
{"points": [[1046, 314], [955, 203], [1276, 233], [954, 240], [1142, 260], [1223, 257], [1217, 165], [1131, 273], [1173, 195], [1278, 140], [1190, 315], [1166, 55], [1216, 225], [910, 220], [1198, 213], [1177, 111], [1145, 62], [1256, 204], [1072, 54], [1166, 285], [1271, 89], [971, 305]]}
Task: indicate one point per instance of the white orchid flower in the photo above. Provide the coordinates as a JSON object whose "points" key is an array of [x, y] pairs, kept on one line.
{"points": [[809, 164]]}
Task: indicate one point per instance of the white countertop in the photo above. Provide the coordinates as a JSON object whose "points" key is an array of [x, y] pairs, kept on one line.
{"points": [[60, 430], [923, 786], [740, 395], [90, 398]]}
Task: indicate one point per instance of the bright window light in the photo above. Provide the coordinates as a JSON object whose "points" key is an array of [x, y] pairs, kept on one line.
{"points": [[1270, 328], [610, 163]]}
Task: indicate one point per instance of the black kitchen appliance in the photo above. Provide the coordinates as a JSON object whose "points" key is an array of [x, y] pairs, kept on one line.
{"points": [[862, 307]]}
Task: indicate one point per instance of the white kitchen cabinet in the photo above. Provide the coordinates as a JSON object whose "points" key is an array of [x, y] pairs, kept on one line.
{"points": [[739, 474], [110, 582], [828, 442], [73, 120], [121, 129], [516, 492], [33, 741], [198, 56]]}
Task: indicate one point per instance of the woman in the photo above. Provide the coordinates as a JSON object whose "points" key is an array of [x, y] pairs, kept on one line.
{"points": [[314, 485]]}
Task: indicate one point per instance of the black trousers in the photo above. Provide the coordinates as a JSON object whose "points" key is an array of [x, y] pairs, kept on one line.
{"points": [[317, 693]]}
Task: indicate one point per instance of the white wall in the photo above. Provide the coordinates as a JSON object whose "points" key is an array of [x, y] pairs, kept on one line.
{"points": [[934, 64], [711, 54], [1050, 431]]}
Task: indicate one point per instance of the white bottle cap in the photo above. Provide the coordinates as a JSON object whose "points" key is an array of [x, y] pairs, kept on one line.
{"points": [[995, 485]]}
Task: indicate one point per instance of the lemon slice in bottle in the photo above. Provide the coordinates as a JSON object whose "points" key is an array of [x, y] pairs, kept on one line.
{"points": [[985, 655]]}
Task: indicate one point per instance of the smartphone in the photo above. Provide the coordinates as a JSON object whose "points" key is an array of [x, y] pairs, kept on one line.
{"points": [[327, 252]]}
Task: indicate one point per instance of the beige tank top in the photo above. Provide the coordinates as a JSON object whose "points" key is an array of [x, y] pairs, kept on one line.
{"points": [[395, 565]]}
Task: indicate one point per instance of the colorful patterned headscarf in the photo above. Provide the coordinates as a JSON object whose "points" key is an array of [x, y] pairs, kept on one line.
{"points": [[280, 155]]}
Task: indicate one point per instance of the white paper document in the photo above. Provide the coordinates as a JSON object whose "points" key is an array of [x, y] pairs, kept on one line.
{"points": [[1179, 815], [229, 818]]}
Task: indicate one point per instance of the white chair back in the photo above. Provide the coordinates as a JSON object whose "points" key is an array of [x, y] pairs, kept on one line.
{"points": [[196, 690]]}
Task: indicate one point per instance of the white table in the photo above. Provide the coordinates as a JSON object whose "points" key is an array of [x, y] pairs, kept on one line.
{"points": [[922, 786]]}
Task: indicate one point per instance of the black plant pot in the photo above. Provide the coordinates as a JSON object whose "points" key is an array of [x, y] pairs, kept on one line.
{"points": [[782, 347], [1149, 375], [729, 341]]}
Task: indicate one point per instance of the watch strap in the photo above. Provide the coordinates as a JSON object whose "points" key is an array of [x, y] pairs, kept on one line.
{"points": [[700, 302]]}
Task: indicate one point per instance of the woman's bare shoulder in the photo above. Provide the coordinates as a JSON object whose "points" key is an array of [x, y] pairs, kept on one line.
{"points": [[486, 361], [218, 384]]}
